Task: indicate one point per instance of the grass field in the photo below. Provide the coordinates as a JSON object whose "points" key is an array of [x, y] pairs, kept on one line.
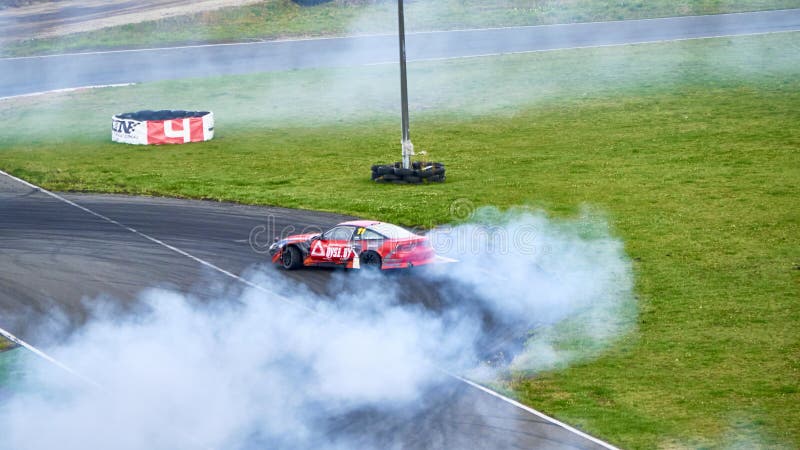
{"points": [[5, 364], [282, 18], [12, 372], [691, 149]]}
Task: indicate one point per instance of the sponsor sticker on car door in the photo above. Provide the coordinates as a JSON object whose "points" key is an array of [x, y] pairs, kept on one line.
{"points": [[331, 251]]}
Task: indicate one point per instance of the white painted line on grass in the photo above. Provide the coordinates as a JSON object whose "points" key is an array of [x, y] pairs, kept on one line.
{"points": [[265, 290], [55, 91], [48, 358]]}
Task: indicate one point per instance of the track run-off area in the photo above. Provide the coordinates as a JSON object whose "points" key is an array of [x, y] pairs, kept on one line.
{"points": [[29, 75]]}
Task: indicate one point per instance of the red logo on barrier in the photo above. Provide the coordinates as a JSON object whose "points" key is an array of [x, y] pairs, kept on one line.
{"points": [[175, 131]]}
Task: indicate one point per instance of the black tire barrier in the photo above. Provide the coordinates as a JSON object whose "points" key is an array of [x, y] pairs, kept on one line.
{"points": [[419, 173], [310, 2], [164, 114], [382, 170], [429, 173]]}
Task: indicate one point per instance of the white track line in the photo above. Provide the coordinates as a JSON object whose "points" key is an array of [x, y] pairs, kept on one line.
{"points": [[265, 290], [443, 58], [448, 58], [536, 413], [161, 243], [580, 47], [55, 91], [372, 35], [47, 358]]}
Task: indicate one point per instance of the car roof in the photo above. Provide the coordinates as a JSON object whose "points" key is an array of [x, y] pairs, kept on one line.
{"points": [[361, 223]]}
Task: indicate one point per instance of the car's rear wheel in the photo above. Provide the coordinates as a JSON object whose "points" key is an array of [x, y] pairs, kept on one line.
{"points": [[291, 258], [370, 260]]}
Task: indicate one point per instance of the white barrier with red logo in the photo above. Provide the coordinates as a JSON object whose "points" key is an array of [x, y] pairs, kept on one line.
{"points": [[169, 131]]}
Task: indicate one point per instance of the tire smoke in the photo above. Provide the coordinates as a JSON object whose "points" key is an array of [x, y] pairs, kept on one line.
{"points": [[241, 371]]}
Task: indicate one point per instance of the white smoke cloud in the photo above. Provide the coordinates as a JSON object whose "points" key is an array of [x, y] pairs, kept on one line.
{"points": [[570, 281], [244, 370]]}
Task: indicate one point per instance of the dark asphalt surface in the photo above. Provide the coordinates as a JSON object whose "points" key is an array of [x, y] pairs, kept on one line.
{"points": [[23, 23], [57, 260], [36, 74], [66, 15]]}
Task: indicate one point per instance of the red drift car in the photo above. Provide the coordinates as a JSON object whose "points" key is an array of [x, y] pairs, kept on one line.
{"points": [[356, 244]]}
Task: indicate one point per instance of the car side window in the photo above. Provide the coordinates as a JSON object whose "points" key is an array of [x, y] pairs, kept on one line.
{"points": [[369, 235], [365, 234], [338, 234]]}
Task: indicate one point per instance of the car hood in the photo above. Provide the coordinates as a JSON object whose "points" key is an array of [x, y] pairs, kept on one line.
{"points": [[300, 237]]}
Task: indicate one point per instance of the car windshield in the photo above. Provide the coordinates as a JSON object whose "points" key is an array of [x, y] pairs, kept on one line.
{"points": [[392, 231], [338, 234]]}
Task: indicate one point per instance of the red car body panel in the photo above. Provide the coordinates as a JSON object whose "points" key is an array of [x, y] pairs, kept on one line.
{"points": [[404, 250]]}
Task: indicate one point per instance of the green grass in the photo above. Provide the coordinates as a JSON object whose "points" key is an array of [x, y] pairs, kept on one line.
{"points": [[5, 362], [283, 18], [5, 344], [6, 368], [691, 149], [15, 369]]}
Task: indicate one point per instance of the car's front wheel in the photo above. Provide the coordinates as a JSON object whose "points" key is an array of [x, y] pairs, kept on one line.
{"points": [[291, 258], [371, 260]]}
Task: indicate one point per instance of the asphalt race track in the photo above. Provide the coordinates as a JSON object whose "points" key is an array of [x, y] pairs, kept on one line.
{"points": [[36, 74], [56, 257]]}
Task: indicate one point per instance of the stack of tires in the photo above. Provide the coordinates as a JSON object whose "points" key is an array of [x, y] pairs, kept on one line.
{"points": [[420, 172]]}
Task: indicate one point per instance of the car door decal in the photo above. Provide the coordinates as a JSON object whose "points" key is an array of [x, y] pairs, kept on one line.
{"points": [[338, 250], [317, 249]]}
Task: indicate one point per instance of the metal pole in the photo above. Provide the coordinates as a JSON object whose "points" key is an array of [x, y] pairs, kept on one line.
{"points": [[408, 148]]}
